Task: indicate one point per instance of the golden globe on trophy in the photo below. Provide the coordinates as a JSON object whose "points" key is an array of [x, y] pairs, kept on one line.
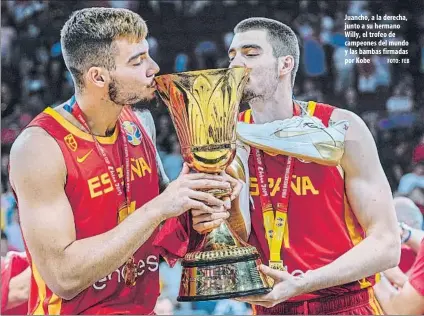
{"points": [[204, 106]]}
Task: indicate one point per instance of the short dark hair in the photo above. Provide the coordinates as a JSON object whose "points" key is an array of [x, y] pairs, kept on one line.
{"points": [[282, 38], [3, 235], [87, 36]]}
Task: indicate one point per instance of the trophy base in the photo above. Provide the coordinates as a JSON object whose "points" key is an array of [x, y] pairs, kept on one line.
{"points": [[222, 274], [222, 296]]}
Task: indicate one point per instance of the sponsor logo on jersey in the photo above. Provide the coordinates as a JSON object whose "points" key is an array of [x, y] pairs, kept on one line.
{"points": [[151, 263], [83, 158]]}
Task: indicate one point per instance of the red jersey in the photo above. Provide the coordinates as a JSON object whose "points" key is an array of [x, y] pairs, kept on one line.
{"points": [[97, 209], [416, 277], [407, 258], [13, 264], [321, 225]]}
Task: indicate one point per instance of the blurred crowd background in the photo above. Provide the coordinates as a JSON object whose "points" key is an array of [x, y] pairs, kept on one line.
{"points": [[189, 35]]}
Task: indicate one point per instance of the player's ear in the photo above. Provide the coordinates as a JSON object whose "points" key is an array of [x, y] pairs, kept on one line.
{"points": [[98, 76], [285, 65]]}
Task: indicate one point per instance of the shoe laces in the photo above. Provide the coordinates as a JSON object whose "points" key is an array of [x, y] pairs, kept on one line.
{"points": [[306, 121], [297, 121]]}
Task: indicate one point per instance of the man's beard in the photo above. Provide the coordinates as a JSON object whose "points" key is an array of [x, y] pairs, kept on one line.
{"points": [[270, 85], [152, 103], [247, 96], [117, 97]]}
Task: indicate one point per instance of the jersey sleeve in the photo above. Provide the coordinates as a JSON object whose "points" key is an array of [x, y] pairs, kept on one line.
{"points": [[177, 237]]}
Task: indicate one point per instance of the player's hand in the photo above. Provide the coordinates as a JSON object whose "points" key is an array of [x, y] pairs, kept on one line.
{"points": [[285, 287], [184, 194], [204, 222], [236, 185]]}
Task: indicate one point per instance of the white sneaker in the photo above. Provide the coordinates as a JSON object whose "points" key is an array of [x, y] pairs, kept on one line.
{"points": [[303, 137]]}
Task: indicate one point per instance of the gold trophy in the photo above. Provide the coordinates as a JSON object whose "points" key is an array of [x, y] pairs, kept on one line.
{"points": [[204, 106]]}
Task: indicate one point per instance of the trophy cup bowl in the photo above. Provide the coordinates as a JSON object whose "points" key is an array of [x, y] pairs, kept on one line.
{"points": [[204, 106]]}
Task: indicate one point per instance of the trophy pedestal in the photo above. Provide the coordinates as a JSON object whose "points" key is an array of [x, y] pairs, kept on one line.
{"points": [[222, 274]]}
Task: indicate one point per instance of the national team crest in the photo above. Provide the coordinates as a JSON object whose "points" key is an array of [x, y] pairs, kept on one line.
{"points": [[133, 133], [71, 142]]}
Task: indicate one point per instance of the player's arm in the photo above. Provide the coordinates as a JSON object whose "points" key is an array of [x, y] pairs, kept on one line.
{"points": [[19, 289], [370, 197], [406, 301], [67, 265], [413, 237], [371, 200], [396, 276]]}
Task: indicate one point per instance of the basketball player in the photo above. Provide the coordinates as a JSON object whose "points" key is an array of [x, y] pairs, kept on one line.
{"points": [[408, 300], [86, 179], [325, 231]]}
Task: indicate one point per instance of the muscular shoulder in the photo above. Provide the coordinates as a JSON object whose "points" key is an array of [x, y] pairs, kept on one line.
{"points": [[357, 127], [360, 154], [344, 114], [32, 139], [35, 154]]}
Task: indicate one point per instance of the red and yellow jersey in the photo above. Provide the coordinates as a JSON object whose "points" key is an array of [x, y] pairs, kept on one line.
{"points": [[321, 225], [97, 209]]}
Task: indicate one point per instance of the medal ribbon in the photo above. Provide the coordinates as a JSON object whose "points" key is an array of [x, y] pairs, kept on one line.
{"points": [[275, 227], [76, 111]]}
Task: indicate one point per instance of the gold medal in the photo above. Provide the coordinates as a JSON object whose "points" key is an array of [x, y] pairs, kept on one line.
{"points": [[130, 274]]}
